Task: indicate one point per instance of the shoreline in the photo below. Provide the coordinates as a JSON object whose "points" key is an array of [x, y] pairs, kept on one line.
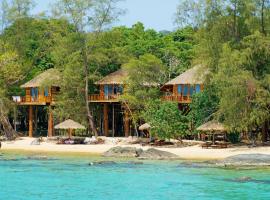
{"points": [[195, 153]]}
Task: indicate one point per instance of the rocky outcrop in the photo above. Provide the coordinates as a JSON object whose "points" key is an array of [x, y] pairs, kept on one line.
{"points": [[129, 152], [246, 160], [155, 154]]}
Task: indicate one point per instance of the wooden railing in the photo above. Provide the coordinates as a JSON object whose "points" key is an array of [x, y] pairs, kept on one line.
{"points": [[30, 99], [98, 97], [179, 99]]}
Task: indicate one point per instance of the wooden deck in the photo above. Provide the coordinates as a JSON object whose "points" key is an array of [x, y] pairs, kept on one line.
{"points": [[179, 99], [103, 99], [28, 100]]}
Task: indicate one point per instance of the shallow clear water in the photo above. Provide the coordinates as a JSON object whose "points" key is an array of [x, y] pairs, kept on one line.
{"points": [[72, 178]]}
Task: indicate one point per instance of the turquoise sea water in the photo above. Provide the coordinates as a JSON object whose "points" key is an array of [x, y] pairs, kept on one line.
{"points": [[72, 178]]}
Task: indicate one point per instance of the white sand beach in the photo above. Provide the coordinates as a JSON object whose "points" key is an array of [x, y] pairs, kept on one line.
{"points": [[190, 153]]}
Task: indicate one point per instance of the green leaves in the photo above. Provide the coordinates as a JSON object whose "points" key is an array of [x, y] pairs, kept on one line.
{"points": [[166, 120]]}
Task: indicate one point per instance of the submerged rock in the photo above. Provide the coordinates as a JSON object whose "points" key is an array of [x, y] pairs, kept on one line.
{"points": [[102, 163], [123, 152], [37, 157], [246, 160], [247, 179], [243, 179], [135, 163], [155, 154]]}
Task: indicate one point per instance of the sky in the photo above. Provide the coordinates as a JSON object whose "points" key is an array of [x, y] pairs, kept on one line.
{"points": [[156, 14]]}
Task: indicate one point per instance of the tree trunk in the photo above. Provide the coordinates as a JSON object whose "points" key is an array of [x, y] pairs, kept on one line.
{"points": [[7, 128], [89, 115], [262, 17]]}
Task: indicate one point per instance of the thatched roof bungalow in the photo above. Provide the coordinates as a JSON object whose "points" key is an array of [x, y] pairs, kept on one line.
{"points": [[182, 87]]}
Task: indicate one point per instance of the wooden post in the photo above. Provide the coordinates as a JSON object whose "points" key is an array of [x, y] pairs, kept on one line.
{"points": [[105, 120], [36, 116], [69, 133], [50, 123], [30, 121], [126, 124], [15, 118], [113, 127]]}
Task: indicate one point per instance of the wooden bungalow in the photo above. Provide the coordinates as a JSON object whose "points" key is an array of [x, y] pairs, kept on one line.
{"points": [[181, 88], [114, 119], [40, 92]]}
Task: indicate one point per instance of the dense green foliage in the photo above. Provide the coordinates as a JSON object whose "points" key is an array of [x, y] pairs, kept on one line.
{"points": [[234, 47], [166, 120]]}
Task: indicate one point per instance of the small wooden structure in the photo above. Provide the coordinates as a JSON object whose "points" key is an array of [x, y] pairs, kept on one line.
{"points": [[69, 125], [40, 91], [213, 128], [181, 88], [115, 116]]}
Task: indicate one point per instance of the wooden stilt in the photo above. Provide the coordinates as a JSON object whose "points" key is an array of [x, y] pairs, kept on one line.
{"points": [[105, 120], [126, 124], [36, 116], [113, 121], [30, 121], [50, 123], [15, 118]]}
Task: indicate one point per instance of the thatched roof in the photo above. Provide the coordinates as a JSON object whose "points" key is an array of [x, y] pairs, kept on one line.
{"points": [[50, 77], [116, 78], [212, 126], [191, 76], [69, 124], [145, 126]]}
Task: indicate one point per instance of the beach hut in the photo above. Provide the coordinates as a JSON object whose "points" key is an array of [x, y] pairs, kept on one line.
{"points": [[40, 92], [212, 128], [181, 88], [69, 125]]}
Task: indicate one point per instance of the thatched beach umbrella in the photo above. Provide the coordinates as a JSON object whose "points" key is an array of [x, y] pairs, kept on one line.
{"points": [[212, 127], [145, 126], [69, 125]]}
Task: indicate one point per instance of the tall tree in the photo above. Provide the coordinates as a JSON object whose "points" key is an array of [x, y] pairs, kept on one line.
{"points": [[10, 73], [88, 15]]}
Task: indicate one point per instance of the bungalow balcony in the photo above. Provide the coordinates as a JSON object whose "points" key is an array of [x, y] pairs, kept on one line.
{"points": [[177, 98], [30, 100], [103, 98]]}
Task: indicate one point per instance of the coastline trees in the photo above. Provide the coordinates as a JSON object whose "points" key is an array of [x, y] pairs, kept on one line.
{"points": [[85, 16], [234, 45]]}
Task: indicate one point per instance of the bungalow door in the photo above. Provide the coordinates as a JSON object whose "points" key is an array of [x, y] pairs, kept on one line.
{"points": [[108, 91], [34, 94]]}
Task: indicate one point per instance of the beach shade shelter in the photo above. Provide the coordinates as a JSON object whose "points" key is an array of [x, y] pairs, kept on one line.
{"points": [[212, 127], [145, 126], [69, 125]]}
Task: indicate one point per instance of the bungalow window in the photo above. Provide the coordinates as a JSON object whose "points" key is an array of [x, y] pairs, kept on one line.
{"points": [[198, 88], [120, 89], [34, 92], [179, 89], [46, 92], [185, 93], [108, 90]]}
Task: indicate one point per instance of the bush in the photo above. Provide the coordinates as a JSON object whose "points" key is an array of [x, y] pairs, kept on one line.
{"points": [[233, 137]]}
